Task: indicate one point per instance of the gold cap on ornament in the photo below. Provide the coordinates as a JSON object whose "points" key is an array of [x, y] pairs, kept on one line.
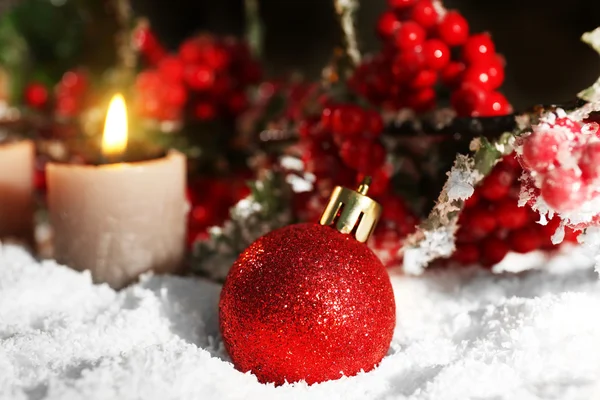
{"points": [[352, 211]]}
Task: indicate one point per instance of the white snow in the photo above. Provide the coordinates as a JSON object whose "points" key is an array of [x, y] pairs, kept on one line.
{"points": [[461, 335]]}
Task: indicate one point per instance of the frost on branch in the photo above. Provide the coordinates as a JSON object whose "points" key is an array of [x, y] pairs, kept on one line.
{"points": [[264, 210], [434, 237]]}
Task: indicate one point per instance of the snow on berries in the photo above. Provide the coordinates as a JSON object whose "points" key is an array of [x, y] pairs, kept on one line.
{"points": [[560, 157], [207, 78], [493, 223], [425, 45]]}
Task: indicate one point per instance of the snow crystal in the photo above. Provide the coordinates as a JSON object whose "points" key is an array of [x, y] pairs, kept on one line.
{"points": [[464, 334], [436, 243], [459, 186]]}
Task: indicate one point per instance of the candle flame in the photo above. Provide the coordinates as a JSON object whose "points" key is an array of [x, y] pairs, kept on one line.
{"points": [[114, 140]]}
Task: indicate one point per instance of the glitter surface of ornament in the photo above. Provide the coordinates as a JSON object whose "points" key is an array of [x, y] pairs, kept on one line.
{"points": [[306, 302]]}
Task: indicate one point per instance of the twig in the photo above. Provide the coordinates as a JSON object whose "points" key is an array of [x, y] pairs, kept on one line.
{"points": [[125, 52], [435, 236], [254, 27], [346, 11]]}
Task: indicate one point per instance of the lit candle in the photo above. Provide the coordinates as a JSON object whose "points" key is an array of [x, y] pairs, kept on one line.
{"points": [[122, 219], [16, 191]]}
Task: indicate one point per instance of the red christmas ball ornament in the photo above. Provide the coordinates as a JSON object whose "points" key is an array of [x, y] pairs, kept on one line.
{"points": [[311, 301]]}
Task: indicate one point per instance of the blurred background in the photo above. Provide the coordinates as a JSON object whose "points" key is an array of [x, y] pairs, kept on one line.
{"points": [[539, 38]]}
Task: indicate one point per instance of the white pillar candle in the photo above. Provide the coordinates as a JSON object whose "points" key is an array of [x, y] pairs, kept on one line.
{"points": [[119, 220], [16, 191]]}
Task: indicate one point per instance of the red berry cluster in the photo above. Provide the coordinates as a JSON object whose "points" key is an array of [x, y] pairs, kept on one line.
{"points": [[342, 143], [36, 95], [420, 41], [208, 77], [210, 200], [340, 147], [562, 157], [70, 94], [492, 223]]}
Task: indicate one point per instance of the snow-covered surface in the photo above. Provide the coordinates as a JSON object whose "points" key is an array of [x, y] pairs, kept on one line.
{"points": [[460, 335]]}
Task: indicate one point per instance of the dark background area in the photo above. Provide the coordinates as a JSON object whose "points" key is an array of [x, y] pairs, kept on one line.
{"points": [[539, 38]]}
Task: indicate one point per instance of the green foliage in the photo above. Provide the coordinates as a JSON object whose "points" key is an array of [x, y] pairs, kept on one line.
{"points": [[41, 39], [14, 55]]}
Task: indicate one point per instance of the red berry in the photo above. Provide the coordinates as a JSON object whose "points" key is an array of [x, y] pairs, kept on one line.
{"points": [[380, 183], [216, 57], [199, 77], [149, 106], [406, 65], [472, 201], [424, 14], [495, 104], [525, 240], [387, 24], [466, 254], [321, 161], [374, 123], [251, 73], [422, 100], [498, 183], [481, 221], [191, 51], [409, 35], [309, 128], [510, 215], [590, 162], [148, 80], [67, 106], [237, 103], [453, 29], [571, 235], [347, 120], [467, 100], [540, 149], [396, 214], [362, 155], [326, 118], [400, 4], [171, 69], [563, 190], [176, 95], [169, 113], [487, 74], [436, 54], [493, 250], [36, 95], [74, 82], [201, 215], [143, 38], [424, 79], [205, 111], [222, 86], [566, 122], [511, 161], [547, 231], [452, 74], [479, 47]]}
